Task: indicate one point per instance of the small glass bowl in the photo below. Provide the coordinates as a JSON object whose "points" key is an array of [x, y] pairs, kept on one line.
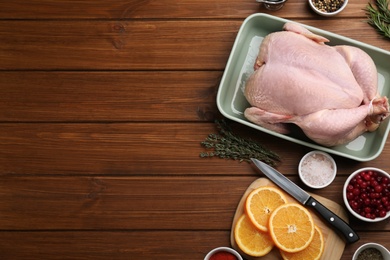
{"points": [[323, 13], [317, 169], [272, 5], [385, 253], [354, 213], [223, 249]]}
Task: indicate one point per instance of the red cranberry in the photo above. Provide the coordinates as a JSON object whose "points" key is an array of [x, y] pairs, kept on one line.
{"points": [[367, 177], [356, 191], [382, 213]]}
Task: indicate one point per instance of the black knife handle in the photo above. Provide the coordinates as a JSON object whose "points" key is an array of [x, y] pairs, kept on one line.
{"points": [[333, 220]]}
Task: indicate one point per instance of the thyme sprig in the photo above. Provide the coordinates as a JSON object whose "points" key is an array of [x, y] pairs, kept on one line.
{"points": [[379, 16], [227, 145]]}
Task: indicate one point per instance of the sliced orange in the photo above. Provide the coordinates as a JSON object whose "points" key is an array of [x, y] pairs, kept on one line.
{"points": [[260, 203], [291, 227], [250, 240], [312, 252]]}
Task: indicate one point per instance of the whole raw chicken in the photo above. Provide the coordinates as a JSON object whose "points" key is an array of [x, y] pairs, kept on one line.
{"points": [[329, 92]]}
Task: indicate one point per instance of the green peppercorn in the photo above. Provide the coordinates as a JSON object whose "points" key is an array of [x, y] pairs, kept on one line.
{"points": [[328, 6]]}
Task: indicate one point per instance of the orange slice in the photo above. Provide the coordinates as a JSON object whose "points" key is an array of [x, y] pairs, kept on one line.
{"points": [[291, 227], [312, 252], [250, 240], [260, 203]]}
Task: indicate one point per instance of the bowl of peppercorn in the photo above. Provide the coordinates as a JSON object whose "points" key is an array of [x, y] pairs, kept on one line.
{"points": [[371, 251], [328, 7], [366, 194]]}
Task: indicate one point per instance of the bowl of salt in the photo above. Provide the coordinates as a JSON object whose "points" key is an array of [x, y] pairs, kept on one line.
{"points": [[317, 169]]}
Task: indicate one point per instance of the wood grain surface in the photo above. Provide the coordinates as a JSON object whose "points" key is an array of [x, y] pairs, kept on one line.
{"points": [[103, 106]]}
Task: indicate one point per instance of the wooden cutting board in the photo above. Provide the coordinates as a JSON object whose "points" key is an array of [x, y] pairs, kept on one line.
{"points": [[334, 244]]}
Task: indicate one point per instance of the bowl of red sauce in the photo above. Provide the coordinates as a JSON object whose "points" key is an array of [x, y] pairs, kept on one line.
{"points": [[223, 253], [366, 194]]}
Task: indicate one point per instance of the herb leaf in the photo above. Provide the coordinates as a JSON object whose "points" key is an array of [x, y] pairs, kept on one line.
{"points": [[227, 145], [378, 14]]}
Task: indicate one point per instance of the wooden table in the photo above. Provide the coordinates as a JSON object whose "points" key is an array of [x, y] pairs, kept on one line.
{"points": [[103, 108]]}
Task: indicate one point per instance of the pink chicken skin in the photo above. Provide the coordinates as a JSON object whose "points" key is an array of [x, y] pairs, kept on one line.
{"points": [[329, 92]]}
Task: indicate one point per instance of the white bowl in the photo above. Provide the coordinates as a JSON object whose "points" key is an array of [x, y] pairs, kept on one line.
{"points": [[317, 169], [382, 249], [324, 13], [223, 249], [346, 202]]}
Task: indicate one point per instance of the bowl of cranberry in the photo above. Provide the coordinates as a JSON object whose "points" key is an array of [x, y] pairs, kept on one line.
{"points": [[366, 194]]}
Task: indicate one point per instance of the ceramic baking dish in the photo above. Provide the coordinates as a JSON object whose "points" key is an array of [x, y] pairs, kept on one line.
{"points": [[232, 103]]}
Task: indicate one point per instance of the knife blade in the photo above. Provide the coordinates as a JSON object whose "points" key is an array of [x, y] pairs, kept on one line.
{"points": [[304, 198]]}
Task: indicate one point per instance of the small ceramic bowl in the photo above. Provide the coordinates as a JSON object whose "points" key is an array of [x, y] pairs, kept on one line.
{"points": [[223, 249], [317, 169], [369, 200], [385, 253], [321, 11]]}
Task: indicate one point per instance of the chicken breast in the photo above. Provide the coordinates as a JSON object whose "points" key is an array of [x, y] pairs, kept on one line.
{"points": [[329, 92]]}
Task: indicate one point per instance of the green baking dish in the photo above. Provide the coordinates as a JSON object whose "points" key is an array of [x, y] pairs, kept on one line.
{"points": [[232, 103]]}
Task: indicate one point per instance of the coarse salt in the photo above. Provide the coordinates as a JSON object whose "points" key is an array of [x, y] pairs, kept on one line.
{"points": [[317, 170]]}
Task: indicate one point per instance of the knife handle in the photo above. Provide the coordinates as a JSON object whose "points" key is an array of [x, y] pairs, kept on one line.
{"points": [[333, 220]]}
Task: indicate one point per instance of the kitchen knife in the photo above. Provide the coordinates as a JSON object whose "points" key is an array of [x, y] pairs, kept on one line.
{"points": [[304, 198]]}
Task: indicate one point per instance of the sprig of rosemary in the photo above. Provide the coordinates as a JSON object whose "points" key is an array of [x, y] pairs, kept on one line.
{"points": [[379, 16], [227, 145]]}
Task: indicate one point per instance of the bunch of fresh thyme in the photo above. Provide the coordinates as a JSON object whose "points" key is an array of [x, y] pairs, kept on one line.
{"points": [[229, 146], [379, 16]]}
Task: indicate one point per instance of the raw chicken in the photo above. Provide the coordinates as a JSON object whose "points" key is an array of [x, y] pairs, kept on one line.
{"points": [[329, 92]]}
